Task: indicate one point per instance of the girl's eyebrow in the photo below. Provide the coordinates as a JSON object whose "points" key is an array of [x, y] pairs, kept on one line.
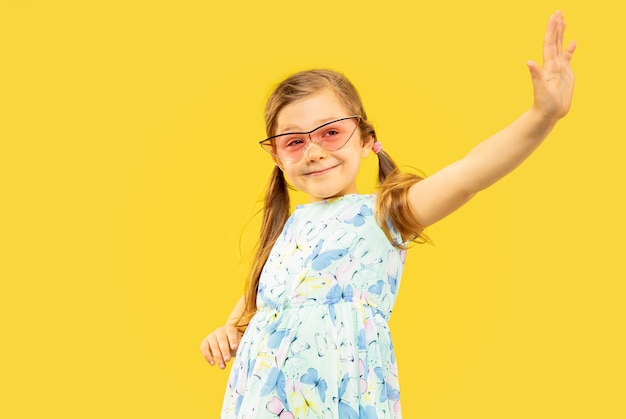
{"points": [[295, 128]]}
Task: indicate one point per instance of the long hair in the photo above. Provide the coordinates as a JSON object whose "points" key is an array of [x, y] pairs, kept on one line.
{"points": [[392, 210]]}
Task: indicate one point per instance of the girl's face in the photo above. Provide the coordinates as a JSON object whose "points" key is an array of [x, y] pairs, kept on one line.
{"points": [[321, 173]]}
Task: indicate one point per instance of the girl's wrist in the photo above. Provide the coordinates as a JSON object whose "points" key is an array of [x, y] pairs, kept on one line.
{"points": [[542, 118]]}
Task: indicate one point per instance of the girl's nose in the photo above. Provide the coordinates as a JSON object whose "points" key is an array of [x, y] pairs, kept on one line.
{"points": [[314, 151]]}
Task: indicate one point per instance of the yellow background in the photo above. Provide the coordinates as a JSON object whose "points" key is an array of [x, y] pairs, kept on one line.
{"points": [[129, 172]]}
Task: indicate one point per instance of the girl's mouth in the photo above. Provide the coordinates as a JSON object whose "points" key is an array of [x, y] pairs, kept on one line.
{"points": [[320, 172]]}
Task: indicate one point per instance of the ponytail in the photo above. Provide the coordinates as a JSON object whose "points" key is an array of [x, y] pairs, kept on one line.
{"points": [[275, 215], [386, 166], [392, 203]]}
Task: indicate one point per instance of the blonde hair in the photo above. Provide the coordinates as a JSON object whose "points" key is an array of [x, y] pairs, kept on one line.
{"points": [[392, 210]]}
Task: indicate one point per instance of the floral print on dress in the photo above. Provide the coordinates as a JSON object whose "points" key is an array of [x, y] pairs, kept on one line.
{"points": [[319, 345]]}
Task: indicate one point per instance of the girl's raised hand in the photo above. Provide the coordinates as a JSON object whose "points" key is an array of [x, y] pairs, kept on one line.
{"points": [[221, 345], [554, 84]]}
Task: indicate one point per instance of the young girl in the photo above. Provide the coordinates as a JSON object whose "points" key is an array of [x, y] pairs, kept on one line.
{"points": [[310, 335]]}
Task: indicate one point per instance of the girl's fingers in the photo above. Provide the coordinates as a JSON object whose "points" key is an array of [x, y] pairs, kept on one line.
{"points": [[569, 51], [217, 346], [221, 345], [550, 41], [554, 55], [224, 349], [535, 72], [233, 339], [206, 351], [539, 83], [559, 32]]}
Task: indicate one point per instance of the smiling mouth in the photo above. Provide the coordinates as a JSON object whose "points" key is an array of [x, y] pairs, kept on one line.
{"points": [[320, 172]]}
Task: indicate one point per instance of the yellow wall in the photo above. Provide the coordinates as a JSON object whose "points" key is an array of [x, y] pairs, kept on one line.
{"points": [[129, 170]]}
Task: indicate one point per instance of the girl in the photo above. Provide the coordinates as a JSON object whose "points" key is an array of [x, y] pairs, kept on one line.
{"points": [[310, 335]]}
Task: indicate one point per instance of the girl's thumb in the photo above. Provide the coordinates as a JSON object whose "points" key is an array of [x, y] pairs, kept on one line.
{"points": [[535, 70]]}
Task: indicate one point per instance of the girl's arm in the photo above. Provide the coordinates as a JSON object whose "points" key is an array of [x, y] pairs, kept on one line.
{"points": [[221, 344], [448, 189]]}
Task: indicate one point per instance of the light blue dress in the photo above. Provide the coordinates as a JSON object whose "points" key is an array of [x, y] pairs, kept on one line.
{"points": [[319, 345]]}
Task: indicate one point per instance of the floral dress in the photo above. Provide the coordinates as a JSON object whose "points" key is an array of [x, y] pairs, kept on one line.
{"points": [[319, 345]]}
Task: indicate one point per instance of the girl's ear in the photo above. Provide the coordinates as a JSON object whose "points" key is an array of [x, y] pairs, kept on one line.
{"points": [[277, 163], [366, 145]]}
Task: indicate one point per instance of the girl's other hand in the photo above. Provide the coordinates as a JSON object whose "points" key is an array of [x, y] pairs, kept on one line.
{"points": [[221, 345], [554, 84]]}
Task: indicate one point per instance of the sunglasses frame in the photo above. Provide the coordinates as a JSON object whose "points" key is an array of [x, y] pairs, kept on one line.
{"points": [[269, 139]]}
